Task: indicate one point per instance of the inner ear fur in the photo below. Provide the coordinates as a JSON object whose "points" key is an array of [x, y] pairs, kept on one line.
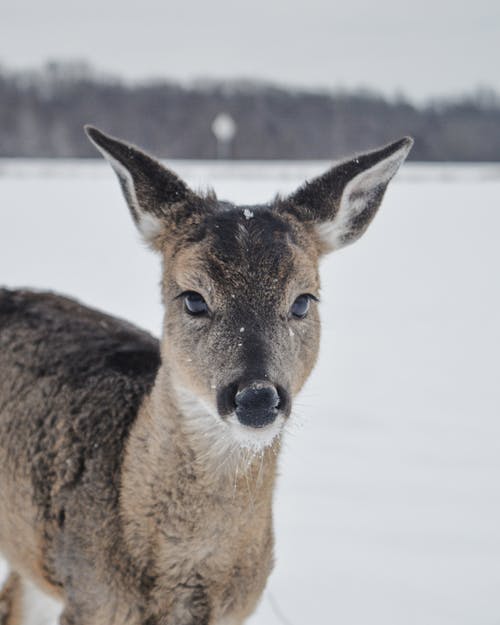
{"points": [[341, 203]]}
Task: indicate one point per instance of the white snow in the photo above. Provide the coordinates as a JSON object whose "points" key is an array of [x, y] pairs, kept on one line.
{"points": [[248, 213], [388, 504]]}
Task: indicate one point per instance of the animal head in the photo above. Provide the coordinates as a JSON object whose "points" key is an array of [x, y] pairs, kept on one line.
{"points": [[240, 283]]}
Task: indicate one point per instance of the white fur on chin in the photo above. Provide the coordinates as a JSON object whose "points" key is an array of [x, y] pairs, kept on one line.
{"points": [[255, 439]]}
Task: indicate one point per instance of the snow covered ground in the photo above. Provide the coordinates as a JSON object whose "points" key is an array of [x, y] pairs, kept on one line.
{"points": [[388, 506]]}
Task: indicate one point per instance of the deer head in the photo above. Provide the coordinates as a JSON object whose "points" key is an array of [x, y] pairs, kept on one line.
{"points": [[240, 283]]}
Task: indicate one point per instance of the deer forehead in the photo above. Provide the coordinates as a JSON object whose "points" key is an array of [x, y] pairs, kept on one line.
{"points": [[246, 251]]}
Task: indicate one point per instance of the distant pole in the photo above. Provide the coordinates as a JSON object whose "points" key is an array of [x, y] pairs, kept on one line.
{"points": [[224, 129]]}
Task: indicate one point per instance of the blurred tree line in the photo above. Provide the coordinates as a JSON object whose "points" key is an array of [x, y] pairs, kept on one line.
{"points": [[42, 113]]}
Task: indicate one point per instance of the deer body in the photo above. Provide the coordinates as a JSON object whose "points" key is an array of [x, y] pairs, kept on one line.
{"points": [[136, 476], [122, 510]]}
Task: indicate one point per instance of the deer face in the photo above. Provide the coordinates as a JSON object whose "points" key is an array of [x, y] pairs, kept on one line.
{"points": [[241, 322], [240, 284]]}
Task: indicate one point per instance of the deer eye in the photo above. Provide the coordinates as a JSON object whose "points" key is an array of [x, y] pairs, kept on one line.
{"points": [[195, 304], [301, 306]]}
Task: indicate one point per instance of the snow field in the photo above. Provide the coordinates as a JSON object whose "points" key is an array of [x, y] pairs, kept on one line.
{"points": [[388, 505]]}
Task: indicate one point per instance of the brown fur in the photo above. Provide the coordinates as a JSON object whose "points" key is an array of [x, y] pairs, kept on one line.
{"points": [[127, 490], [11, 601]]}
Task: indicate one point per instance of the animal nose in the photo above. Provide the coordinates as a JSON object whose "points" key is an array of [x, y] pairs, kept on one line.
{"points": [[257, 404]]}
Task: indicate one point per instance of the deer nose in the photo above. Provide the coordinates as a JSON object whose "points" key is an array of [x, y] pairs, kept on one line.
{"points": [[257, 404]]}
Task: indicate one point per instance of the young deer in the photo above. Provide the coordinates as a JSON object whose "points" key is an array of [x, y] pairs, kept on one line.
{"points": [[136, 477]]}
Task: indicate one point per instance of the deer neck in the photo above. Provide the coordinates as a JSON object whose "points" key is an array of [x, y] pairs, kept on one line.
{"points": [[176, 450]]}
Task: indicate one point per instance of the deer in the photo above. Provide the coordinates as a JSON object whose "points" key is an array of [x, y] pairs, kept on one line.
{"points": [[136, 474]]}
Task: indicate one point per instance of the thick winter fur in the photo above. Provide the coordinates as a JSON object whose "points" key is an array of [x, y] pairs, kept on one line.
{"points": [[129, 489]]}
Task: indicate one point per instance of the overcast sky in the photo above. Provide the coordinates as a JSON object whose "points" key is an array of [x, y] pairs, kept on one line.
{"points": [[422, 48]]}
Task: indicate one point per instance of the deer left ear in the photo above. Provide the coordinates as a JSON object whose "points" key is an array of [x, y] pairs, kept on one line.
{"points": [[341, 203], [157, 198]]}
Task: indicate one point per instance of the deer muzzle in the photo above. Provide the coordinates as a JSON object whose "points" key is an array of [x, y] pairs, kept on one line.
{"points": [[257, 404]]}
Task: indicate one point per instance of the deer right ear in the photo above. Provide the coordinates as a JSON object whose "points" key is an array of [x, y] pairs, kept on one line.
{"points": [[341, 204], [152, 192]]}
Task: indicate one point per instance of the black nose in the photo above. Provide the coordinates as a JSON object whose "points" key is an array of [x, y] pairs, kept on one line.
{"points": [[257, 404]]}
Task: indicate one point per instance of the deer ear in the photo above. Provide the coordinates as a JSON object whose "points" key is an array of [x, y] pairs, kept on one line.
{"points": [[152, 191], [341, 203]]}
